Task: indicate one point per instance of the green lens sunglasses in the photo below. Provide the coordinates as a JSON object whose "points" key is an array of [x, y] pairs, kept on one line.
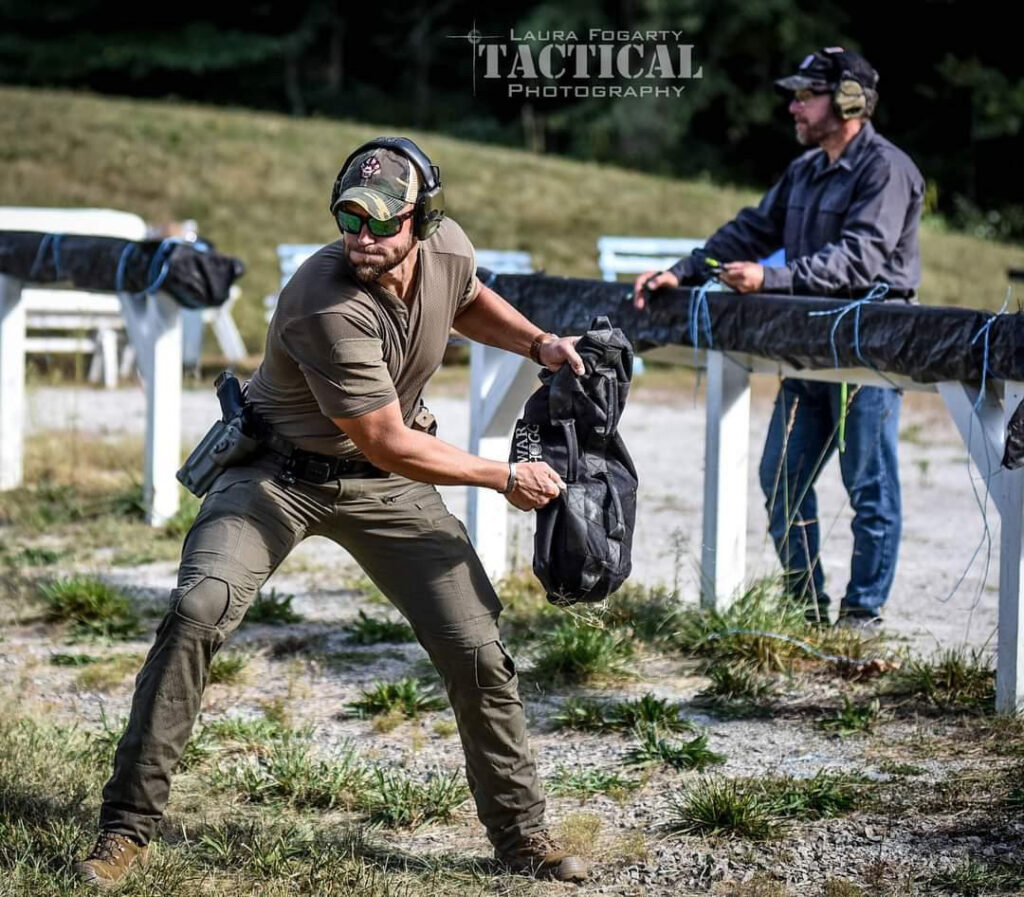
{"points": [[351, 223]]}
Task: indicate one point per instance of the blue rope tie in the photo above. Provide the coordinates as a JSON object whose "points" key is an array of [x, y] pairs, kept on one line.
{"points": [[122, 263], [984, 331], [878, 291], [700, 315], [51, 243]]}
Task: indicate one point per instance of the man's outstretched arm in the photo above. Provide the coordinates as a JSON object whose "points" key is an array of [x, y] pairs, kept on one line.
{"points": [[386, 441], [489, 319]]}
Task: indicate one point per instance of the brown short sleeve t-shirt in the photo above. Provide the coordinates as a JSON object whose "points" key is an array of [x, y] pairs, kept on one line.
{"points": [[340, 348]]}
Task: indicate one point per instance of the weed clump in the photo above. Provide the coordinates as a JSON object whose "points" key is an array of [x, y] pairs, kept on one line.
{"points": [[229, 668], [272, 609], [573, 653], [651, 749], [91, 606], [405, 697], [957, 679], [619, 716], [366, 630], [396, 800]]}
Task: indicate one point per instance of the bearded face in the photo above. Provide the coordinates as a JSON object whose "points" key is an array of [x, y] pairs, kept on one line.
{"points": [[814, 119], [371, 257]]}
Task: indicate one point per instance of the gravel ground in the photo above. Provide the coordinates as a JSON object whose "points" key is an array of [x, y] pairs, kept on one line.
{"points": [[943, 523], [632, 854]]}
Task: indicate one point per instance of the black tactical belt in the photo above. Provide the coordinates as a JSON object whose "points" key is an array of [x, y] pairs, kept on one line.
{"points": [[319, 469], [298, 464]]}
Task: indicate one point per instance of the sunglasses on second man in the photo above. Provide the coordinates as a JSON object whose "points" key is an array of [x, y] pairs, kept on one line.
{"points": [[351, 223]]}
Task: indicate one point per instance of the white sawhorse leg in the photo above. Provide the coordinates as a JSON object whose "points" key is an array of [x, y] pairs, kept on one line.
{"points": [[983, 431], [1010, 670], [499, 385], [12, 382], [726, 457], [161, 356], [154, 329]]}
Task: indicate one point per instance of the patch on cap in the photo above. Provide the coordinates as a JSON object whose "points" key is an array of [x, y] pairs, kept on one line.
{"points": [[369, 168]]}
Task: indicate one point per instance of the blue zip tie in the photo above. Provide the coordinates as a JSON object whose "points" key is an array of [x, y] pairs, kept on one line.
{"points": [[122, 263], [700, 315], [40, 254], [878, 291]]}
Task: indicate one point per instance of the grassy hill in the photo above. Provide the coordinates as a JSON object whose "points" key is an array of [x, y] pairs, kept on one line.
{"points": [[253, 180]]}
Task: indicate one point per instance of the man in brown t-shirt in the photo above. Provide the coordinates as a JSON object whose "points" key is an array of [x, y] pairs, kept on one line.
{"points": [[357, 333]]}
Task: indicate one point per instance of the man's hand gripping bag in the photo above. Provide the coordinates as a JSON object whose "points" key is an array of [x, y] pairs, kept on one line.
{"points": [[583, 542]]}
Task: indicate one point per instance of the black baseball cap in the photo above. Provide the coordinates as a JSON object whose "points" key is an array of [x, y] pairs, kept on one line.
{"points": [[822, 71]]}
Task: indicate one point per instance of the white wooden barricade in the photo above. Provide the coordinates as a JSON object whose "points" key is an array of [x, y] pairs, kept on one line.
{"points": [[52, 307], [499, 385], [153, 324], [727, 456]]}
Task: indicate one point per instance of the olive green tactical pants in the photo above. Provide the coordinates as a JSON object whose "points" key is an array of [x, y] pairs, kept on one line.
{"points": [[418, 555]]}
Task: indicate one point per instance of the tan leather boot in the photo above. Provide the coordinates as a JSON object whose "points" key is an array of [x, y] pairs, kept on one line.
{"points": [[538, 855], [112, 858]]}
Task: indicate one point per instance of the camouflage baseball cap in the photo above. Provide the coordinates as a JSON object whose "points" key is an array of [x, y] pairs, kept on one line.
{"points": [[380, 181]]}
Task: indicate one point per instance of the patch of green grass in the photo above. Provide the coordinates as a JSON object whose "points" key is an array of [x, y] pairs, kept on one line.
{"points": [[272, 609], [972, 877], [289, 772], [35, 556], [587, 715], [573, 653], [366, 630], [758, 808], [109, 673], [896, 768], [851, 718], [824, 795], [651, 749], [91, 606], [957, 679], [73, 660], [649, 614], [717, 806], [396, 800], [737, 690], [588, 782], [229, 668], [724, 635], [405, 697], [251, 735]]}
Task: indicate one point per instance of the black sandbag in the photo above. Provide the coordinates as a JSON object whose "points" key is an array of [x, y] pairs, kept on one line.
{"points": [[926, 343], [194, 277], [583, 540], [1013, 453]]}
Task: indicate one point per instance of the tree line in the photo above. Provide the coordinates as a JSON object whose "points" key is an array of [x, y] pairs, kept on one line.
{"points": [[951, 88]]}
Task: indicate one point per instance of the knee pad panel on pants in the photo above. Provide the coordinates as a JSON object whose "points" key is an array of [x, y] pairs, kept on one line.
{"points": [[205, 603], [494, 666]]}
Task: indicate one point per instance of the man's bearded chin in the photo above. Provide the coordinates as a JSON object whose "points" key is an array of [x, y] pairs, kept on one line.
{"points": [[813, 134], [371, 272]]}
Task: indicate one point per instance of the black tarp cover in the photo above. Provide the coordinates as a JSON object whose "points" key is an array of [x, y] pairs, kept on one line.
{"points": [[925, 343], [194, 277]]}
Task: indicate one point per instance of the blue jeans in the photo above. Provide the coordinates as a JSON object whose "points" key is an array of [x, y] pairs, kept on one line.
{"points": [[802, 436]]}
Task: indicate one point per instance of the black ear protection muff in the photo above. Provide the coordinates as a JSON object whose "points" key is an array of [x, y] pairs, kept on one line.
{"points": [[429, 211]]}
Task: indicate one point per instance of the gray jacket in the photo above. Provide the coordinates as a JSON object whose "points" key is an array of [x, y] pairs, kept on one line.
{"points": [[844, 226]]}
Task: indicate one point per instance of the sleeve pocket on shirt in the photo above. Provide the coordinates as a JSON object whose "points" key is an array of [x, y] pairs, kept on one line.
{"points": [[357, 350]]}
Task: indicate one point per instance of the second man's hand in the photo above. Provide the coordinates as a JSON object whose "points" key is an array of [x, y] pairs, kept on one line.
{"points": [[650, 281], [536, 484], [743, 277]]}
